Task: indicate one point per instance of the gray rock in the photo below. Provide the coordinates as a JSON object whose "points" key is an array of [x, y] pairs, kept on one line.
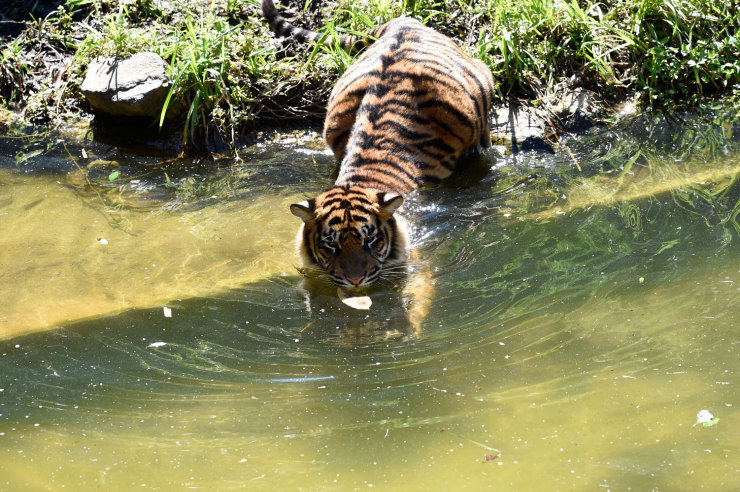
{"points": [[135, 86], [576, 109], [519, 128]]}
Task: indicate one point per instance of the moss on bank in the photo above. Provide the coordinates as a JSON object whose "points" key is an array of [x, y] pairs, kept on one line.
{"points": [[234, 75]]}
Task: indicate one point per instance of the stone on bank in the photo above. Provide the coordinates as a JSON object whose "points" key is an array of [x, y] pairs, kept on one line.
{"points": [[135, 86]]}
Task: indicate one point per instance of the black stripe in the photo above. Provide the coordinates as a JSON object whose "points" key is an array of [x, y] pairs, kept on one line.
{"points": [[377, 91], [346, 112], [404, 131], [390, 75], [472, 75], [413, 117], [348, 204], [440, 46], [448, 163], [414, 93], [353, 196], [333, 129], [444, 78], [410, 147], [334, 201], [346, 193], [390, 236], [400, 102], [423, 77], [309, 236], [369, 181], [437, 143], [449, 108], [448, 129], [365, 140], [379, 166], [354, 93], [345, 82], [339, 138], [384, 141]]}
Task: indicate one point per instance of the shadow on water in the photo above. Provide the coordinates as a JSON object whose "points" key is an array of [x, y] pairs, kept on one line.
{"points": [[579, 323]]}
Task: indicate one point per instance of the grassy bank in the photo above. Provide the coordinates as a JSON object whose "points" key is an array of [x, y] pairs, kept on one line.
{"points": [[234, 75]]}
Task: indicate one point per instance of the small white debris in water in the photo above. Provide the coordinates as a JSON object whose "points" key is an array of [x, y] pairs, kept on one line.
{"points": [[703, 417], [102, 240], [167, 312], [157, 344], [359, 302]]}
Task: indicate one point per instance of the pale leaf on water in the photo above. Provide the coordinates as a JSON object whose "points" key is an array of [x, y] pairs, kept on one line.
{"points": [[356, 302]]}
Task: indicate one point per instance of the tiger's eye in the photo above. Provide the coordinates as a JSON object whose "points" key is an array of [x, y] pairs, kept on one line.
{"points": [[330, 244]]}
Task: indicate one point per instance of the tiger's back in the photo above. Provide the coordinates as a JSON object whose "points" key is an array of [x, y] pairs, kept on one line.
{"points": [[401, 115]]}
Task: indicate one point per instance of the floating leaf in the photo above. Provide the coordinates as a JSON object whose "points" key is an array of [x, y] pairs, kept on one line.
{"points": [[113, 176], [356, 302]]}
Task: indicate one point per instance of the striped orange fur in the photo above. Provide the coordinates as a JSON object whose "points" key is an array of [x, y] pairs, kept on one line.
{"points": [[397, 120]]}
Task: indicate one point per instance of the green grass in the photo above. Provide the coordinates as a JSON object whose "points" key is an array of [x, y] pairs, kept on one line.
{"points": [[13, 70], [228, 69]]}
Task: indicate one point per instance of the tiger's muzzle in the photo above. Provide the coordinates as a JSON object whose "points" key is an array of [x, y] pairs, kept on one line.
{"points": [[354, 266]]}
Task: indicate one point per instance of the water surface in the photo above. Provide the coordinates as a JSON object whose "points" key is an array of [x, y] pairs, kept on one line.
{"points": [[580, 320]]}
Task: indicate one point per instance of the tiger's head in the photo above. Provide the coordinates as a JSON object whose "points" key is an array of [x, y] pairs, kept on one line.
{"points": [[351, 233]]}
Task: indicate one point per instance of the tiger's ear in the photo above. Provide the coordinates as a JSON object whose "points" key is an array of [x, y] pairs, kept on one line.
{"points": [[389, 202], [305, 210]]}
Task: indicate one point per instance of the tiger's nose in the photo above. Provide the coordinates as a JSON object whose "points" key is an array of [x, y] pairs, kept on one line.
{"points": [[355, 280]]}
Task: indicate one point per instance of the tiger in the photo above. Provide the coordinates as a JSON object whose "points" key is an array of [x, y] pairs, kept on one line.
{"points": [[397, 120]]}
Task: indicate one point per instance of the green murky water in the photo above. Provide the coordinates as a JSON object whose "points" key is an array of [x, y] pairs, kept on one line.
{"points": [[580, 320]]}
